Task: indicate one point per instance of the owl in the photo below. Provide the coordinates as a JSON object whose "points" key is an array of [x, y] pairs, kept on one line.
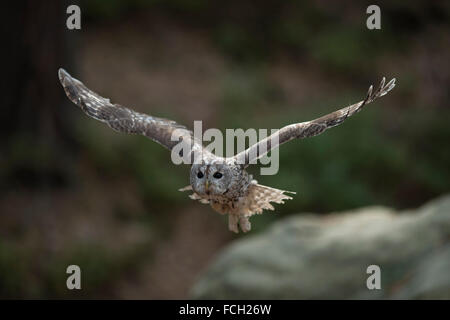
{"points": [[223, 183]]}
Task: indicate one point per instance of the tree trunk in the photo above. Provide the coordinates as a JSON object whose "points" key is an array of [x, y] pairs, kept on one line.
{"points": [[37, 132]]}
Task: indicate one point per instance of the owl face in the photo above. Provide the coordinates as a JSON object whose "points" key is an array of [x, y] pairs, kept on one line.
{"points": [[210, 179]]}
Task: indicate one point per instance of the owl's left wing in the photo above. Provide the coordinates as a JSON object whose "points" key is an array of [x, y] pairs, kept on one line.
{"points": [[310, 128], [126, 120]]}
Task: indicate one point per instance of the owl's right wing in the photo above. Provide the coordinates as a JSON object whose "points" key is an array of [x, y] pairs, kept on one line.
{"points": [[166, 132]]}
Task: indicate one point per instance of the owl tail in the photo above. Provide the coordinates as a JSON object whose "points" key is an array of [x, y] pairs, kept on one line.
{"points": [[260, 197]]}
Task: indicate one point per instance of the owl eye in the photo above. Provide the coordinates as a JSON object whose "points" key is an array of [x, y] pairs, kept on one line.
{"points": [[199, 175], [217, 175]]}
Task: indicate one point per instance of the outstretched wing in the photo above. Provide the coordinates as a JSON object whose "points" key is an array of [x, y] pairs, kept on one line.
{"points": [[310, 128], [125, 120]]}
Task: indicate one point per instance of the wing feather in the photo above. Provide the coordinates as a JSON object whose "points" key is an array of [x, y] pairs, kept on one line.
{"points": [[310, 128], [123, 119]]}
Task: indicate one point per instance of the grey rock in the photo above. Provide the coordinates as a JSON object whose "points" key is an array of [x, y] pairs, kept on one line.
{"points": [[308, 256]]}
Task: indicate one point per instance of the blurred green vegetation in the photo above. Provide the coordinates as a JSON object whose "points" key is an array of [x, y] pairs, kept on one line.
{"points": [[333, 34], [394, 153], [27, 275]]}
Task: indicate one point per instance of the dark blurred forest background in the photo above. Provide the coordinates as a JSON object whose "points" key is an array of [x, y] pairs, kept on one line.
{"points": [[75, 192]]}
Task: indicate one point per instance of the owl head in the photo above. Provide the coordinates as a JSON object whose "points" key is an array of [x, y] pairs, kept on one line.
{"points": [[211, 179]]}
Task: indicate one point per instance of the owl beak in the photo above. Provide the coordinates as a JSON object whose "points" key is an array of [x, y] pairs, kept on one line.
{"points": [[207, 185]]}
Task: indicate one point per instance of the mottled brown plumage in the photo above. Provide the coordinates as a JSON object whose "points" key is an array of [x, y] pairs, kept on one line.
{"points": [[220, 182]]}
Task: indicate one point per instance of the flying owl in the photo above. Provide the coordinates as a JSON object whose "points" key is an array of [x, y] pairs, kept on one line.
{"points": [[220, 182]]}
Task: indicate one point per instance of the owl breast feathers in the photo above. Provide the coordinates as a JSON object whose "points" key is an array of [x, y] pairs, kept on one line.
{"points": [[221, 182], [253, 200]]}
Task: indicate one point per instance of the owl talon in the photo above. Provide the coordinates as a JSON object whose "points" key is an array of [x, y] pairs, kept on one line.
{"points": [[233, 223], [245, 224]]}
